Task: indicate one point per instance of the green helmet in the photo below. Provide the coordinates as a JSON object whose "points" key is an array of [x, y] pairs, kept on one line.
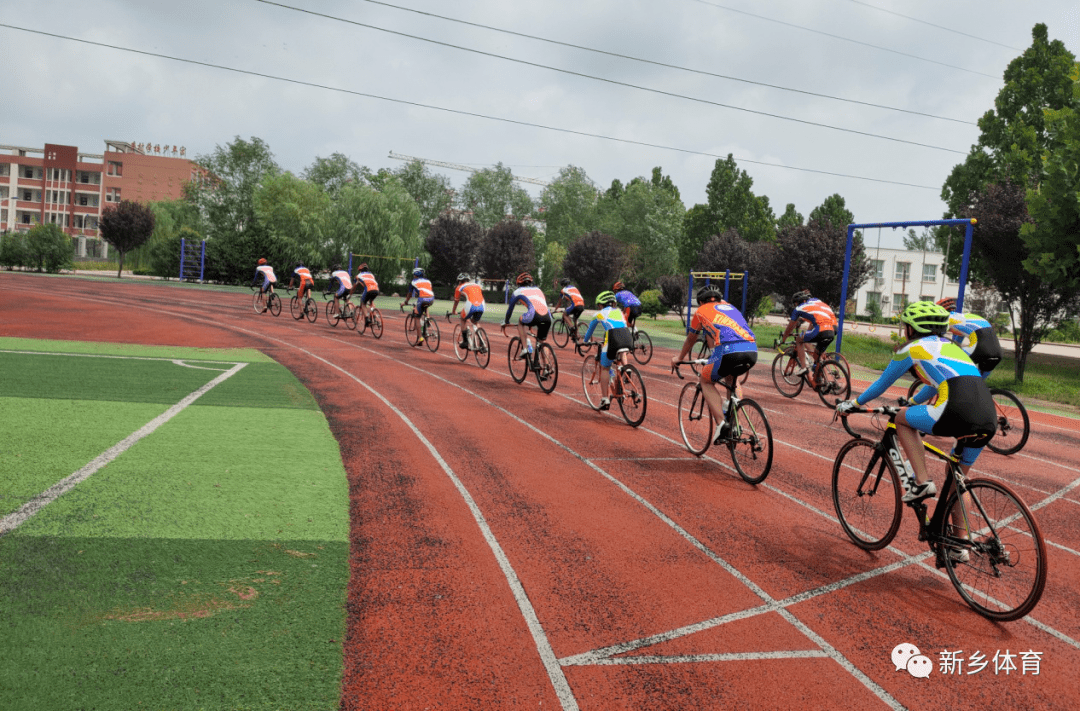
{"points": [[925, 317], [605, 297]]}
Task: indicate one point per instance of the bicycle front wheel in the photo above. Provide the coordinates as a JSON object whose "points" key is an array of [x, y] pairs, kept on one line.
{"points": [[349, 315], [431, 334], [834, 382], [296, 308], [1005, 571], [783, 374], [273, 302], [867, 494], [1013, 425], [519, 367], [547, 367], [259, 302], [590, 381], [695, 419], [559, 334], [751, 442], [412, 334], [482, 352], [376, 323], [633, 401], [332, 313], [642, 347]]}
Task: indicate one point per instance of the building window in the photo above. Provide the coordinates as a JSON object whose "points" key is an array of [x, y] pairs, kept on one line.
{"points": [[877, 266], [27, 195], [116, 168], [112, 195], [28, 172], [873, 297], [899, 302], [903, 271], [927, 297], [83, 200], [929, 273], [953, 280]]}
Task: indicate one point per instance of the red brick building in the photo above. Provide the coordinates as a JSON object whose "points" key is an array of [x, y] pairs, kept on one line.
{"points": [[59, 185]]}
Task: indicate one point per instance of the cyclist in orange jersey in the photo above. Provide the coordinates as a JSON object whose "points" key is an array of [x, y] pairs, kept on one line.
{"points": [[369, 289], [572, 302], [307, 282], [536, 311], [265, 272], [821, 331], [421, 288], [473, 293], [341, 285]]}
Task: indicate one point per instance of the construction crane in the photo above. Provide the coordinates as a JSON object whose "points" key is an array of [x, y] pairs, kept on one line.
{"points": [[458, 166]]}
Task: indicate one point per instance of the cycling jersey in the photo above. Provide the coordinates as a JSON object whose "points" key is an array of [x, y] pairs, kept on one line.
{"points": [[371, 287], [964, 405], [818, 315], [616, 333], [726, 330], [536, 313], [421, 289], [344, 281], [626, 299], [976, 336], [473, 293], [572, 294], [266, 273], [303, 273]]}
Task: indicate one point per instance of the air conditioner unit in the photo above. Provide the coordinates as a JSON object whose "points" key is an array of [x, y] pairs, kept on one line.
{"points": [[884, 299], [879, 281]]}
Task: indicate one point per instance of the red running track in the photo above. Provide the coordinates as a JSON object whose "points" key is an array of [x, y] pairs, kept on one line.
{"points": [[514, 549]]}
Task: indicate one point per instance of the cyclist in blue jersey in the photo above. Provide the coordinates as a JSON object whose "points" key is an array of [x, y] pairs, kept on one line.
{"points": [[629, 303], [734, 350], [975, 335], [964, 407], [616, 336]]}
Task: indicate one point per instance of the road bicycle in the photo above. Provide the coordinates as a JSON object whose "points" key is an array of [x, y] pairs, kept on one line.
{"points": [[984, 535], [541, 361], [1013, 424], [642, 345], [829, 376], [373, 320], [624, 384], [417, 328], [304, 309], [561, 333], [266, 301], [748, 436], [346, 312], [476, 342]]}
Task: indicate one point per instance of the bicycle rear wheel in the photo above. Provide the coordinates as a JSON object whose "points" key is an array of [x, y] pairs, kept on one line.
{"points": [[519, 367], [361, 320], [834, 382], [431, 334], [698, 351], [634, 400], [331, 313], [559, 333], [547, 367], [867, 494], [296, 308], [783, 374], [273, 302], [376, 323], [459, 351], [1005, 573], [751, 443], [259, 302], [642, 347], [412, 334], [482, 352], [695, 419], [590, 381], [1013, 425]]}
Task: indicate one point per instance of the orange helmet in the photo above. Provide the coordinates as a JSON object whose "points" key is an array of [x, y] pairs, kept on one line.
{"points": [[948, 303], [524, 279], [619, 286], [261, 261]]}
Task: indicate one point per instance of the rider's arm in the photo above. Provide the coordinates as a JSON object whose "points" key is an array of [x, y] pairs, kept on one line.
{"points": [[510, 308], [592, 327], [900, 364], [923, 394]]}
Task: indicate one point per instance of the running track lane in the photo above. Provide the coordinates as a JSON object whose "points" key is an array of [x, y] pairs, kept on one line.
{"points": [[639, 579]]}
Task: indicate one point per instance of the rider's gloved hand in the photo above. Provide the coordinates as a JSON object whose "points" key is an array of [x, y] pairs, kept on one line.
{"points": [[846, 406]]}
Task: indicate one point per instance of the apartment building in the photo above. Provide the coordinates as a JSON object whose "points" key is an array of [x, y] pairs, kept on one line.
{"points": [[900, 276], [62, 186]]}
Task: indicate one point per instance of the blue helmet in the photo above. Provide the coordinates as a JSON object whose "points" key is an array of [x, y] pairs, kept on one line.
{"points": [[418, 272]]}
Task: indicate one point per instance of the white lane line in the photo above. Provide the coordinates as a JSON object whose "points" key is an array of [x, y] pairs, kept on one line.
{"points": [[116, 357], [729, 657], [26, 511], [196, 367]]}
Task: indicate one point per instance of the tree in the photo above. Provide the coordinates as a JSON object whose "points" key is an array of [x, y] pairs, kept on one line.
{"points": [[790, 218], [594, 261], [812, 257], [492, 197], [452, 243], [673, 291], [833, 210], [924, 242], [126, 226], [731, 204], [648, 217], [13, 251], [569, 205], [507, 250], [293, 213], [49, 249], [333, 173], [432, 193], [731, 252]]}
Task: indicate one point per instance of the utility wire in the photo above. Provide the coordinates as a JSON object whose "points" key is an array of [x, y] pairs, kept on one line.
{"points": [[456, 111], [931, 24], [618, 83], [843, 38], [655, 63]]}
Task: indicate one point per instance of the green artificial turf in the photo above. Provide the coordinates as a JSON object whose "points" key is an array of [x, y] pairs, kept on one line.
{"points": [[234, 355]]}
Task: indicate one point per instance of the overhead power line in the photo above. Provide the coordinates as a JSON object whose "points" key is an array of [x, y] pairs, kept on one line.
{"points": [[615, 82], [461, 166], [658, 64], [931, 24], [843, 38], [458, 112]]}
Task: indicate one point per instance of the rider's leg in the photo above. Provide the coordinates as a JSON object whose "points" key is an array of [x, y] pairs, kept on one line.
{"points": [[911, 442]]}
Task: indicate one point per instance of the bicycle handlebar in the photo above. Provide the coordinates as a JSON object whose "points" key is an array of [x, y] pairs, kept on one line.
{"points": [[675, 368], [890, 410]]}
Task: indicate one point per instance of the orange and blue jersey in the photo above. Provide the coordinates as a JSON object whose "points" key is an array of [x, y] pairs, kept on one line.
{"points": [[369, 282], [304, 274], [266, 273], [422, 290], [722, 324], [344, 281], [817, 314], [534, 300], [473, 293], [571, 294]]}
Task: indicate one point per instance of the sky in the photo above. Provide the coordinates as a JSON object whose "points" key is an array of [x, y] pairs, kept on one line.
{"points": [[876, 100]]}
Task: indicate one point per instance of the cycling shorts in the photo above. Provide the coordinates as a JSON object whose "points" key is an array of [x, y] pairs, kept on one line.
{"points": [[617, 339], [822, 339], [341, 288], [987, 353], [473, 313], [967, 411], [632, 312], [574, 311], [422, 305], [369, 296], [542, 322], [732, 359]]}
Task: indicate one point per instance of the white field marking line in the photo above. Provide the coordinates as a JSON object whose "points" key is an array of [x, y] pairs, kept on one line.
{"points": [[196, 367], [828, 649], [640, 459], [26, 511], [543, 646], [122, 357], [697, 658]]}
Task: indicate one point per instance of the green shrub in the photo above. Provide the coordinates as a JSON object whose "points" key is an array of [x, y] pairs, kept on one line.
{"points": [[1067, 331], [650, 303], [13, 250], [49, 249]]}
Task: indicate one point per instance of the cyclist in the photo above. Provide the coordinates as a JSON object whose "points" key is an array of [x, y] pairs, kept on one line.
{"points": [[369, 291], [964, 407], [821, 328], [616, 336], [307, 282], [341, 285], [734, 350], [629, 303], [474, 294], [536, 311], [572, 302], [421, 288], [265, 272], [975, 335]]}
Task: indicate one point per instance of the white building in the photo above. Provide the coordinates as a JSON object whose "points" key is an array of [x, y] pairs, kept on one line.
{"points": [[900, 276]]}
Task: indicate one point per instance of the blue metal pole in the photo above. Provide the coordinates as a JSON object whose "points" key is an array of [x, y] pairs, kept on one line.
{"points": [[745, 283], [964, 265], [843, 287], [202, 263], [727, 280], [183, 250], [689, 301], [350, 261]]}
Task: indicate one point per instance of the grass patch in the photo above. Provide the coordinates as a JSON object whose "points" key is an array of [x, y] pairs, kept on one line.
{"points": [[232, 355]]}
